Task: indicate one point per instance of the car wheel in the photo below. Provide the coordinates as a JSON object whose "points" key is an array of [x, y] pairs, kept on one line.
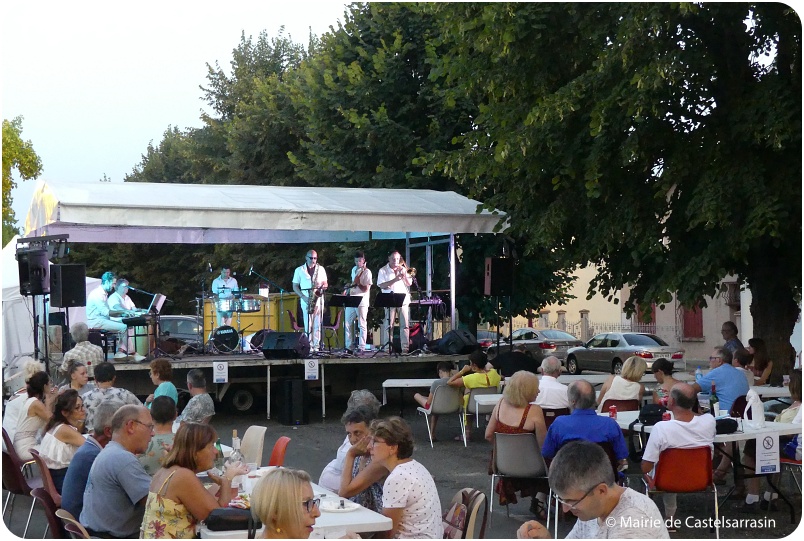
{"points": [[240, 400], [572, 366], [617, 367]]}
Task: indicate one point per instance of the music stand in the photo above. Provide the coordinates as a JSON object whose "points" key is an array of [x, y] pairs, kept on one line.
{"points": [[389, 300], [345, 301]]}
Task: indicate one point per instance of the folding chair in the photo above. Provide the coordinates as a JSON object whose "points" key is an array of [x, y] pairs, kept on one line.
{"points": [[446, 400]]}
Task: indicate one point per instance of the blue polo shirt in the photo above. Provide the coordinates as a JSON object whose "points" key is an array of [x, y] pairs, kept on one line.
{"points": [[730, 383], [584, 425], [72, 491]]}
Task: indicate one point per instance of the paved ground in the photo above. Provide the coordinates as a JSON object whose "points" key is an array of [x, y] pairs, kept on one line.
{"points": [[454, 467]]}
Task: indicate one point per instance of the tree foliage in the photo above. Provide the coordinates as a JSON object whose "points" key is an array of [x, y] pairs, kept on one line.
{"points": [[18, 155]]}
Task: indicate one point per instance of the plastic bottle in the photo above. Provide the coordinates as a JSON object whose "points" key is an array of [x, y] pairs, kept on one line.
{"points": [[235, 457], [698, 373]]}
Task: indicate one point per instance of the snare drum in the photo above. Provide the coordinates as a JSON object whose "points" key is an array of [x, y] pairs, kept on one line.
{"points": [[249, 304], [225, 338], [226, 305]]}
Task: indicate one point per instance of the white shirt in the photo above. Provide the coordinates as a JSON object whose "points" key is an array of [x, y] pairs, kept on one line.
{"points": [[386, 274], [96, 304], [118, 302], [305, 279], [331, 475], [634, 517], [699, 431], [365, 280], [411, 487], [218, 283], [552, 394]]}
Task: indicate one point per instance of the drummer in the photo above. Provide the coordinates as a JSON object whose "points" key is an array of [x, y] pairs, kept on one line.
{"points": [[223, 287]]}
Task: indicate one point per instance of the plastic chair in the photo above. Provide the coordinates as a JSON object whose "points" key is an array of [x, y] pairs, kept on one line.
{"points": [[738, 408], [446, 400], [473, 409], [516, 455], [253, 443], [331, 331], [24, 465], [622, 405], [550, 415], [294, 323], [460, 520], [17, 484], [278, 453], [54, 525], [47, 480], [686, 470], [73, 527]]}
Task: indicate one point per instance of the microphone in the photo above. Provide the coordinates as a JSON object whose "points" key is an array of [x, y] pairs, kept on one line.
{"points": [[209, 266], [251, 270], [133, 288]]}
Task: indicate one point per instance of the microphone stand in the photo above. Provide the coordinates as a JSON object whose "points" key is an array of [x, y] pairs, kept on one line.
{"points": [[281, 297]]}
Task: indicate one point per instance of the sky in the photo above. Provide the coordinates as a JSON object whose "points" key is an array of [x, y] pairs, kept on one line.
{"points": [[95, 82]]}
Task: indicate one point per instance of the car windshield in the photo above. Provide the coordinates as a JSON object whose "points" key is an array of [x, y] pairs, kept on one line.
{"points": [[557, 335], [644, 340]]}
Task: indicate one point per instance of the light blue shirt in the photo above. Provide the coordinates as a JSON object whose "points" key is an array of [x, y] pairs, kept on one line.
{"points": [[730, 384]]}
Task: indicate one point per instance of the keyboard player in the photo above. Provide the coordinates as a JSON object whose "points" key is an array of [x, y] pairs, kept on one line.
{"points": [[121, 306]]}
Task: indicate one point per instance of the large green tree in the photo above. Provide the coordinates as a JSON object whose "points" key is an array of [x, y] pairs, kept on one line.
{"points": [[17, 154], [660, 142]]}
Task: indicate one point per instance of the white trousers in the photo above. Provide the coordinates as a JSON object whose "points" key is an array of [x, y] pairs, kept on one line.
{"points": [[403, 316], [358, 314], [315, 333]]}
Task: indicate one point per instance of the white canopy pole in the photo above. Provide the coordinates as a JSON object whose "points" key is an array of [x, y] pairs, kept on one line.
{"points": [[453, 323]]}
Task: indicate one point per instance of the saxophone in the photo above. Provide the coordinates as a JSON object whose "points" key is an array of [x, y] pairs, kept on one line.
{"points": [[315, 292]]}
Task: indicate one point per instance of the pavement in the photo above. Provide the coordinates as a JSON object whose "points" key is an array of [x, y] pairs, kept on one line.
{"points": [[454, 466]]}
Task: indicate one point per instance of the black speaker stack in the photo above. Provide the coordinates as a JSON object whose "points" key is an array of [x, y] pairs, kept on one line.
{"points": [[457, 342], [286, 345], [499, 277], [294, 402], [68, 286], [34, 272]]}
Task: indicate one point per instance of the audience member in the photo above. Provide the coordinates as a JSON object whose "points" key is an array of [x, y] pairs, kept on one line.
{"points": [[275, 501], [583, 423], [552, 394], [729, 333], [510, 361], [444, 372], [177, 500], [34, 414], [15, 403], [515, 414], [761, 366], [163, 413], [63, 435], [410, 498], [78, 378], [161, 376], [686, 430], [105, 375], [740, 360], [75, 482], [472, 376], [626, 385], [361, 478], [114, 500], [663, 372], [729, 382], [583, 481], [84, 351], [200, 408]]}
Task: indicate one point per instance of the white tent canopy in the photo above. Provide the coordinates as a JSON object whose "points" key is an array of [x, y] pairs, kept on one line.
{"points": [[202, 213]]}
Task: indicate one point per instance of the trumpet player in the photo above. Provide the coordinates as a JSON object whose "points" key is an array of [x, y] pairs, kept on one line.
{"points": [[395, 277], [359, 287]]}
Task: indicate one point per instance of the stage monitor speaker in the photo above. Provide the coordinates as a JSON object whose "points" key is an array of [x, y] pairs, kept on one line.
{"points": [[457, 342], [499, 276], [294, 402], [286, 345], [34, 272], [68, 287]]}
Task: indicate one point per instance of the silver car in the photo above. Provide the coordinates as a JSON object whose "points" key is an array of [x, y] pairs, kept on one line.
{"points": [[540, 342], [606, 352]]}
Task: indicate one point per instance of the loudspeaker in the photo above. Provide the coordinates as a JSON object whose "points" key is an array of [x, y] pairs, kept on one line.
{"points": [[34, 273], [499, 276], [68, 286], [286, 345], [417, 338], [457, 342], [294, 402]]}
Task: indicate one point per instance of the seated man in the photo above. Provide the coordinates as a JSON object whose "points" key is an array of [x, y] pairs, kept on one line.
{"points": [[472, 376], [72, 491], [114, 500], [684, 431], [105, 375], [729, 382], [444, 371], [507, 363], [84, 350], [163, 412], [200, 408], [583, 481], [583, 423], [100, 317], [552, 394]]}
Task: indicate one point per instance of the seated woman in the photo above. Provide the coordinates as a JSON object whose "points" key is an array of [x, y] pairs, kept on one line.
{"points": [[474, 375], [161, 376], [625, 386], [663, 372], [410, 498], [11, 411], [761, 365], [78, 376], [177, 499], [514, 414], [284, 502], [361, 480], [63, 435], [36, 411]]}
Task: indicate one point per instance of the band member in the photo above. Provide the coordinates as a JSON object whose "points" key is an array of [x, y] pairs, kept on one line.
{"points": [[361, 282], [394, 278], [120, 306], [309, 283], [223, 287], [99, 317]]}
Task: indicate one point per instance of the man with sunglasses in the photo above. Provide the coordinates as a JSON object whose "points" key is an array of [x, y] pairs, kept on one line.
{"points": [[583, 481], [310, 283]]}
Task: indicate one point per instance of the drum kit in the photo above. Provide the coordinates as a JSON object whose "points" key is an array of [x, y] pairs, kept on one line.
{"points": [[226, 339]]}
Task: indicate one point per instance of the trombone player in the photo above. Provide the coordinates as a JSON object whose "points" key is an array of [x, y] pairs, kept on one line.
{"points": [[396, 277]]}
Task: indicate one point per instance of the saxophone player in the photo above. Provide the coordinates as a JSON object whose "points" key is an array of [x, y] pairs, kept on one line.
{"points": [[361, 283], [309, 283], [394, 278]]}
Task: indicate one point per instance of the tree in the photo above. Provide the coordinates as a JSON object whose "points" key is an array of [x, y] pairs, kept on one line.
{"points": [[661, 142], [19, 155]]}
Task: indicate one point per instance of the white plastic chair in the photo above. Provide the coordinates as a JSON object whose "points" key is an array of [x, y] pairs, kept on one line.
{"points": [[446, 400], [253, 444]]}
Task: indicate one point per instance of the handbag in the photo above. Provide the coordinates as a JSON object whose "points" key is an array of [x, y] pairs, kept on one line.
{"points": [[649, 415], [725, 426], [231, 518]]}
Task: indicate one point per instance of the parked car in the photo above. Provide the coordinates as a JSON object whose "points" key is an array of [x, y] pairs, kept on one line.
{"points": [[486, 339], [540, 343], [606, 352], [187, 329]]}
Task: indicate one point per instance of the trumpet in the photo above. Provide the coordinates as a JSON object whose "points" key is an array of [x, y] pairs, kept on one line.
{"points": [[411, 271]]}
